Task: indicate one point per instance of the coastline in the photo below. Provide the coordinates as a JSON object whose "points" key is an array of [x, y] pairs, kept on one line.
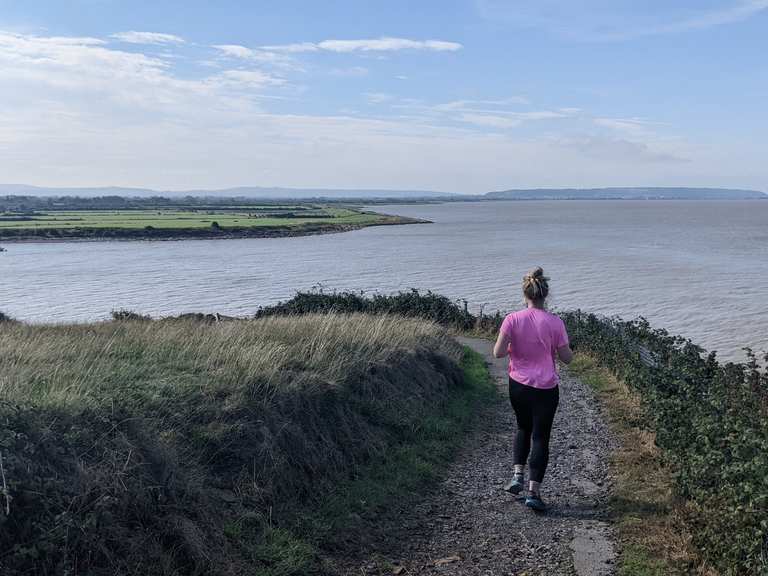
{"points": [[45, 236]]}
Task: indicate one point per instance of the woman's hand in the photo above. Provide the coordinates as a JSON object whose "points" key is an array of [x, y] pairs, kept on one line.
{"points": [[565, 354], [501, 348]]}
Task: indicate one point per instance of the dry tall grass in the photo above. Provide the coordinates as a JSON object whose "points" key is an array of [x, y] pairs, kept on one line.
{"points": [[129, 447], [85, 365]]}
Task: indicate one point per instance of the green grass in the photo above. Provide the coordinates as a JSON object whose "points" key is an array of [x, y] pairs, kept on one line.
{"points": [[252, 447], [249, 217], [364, 509]]}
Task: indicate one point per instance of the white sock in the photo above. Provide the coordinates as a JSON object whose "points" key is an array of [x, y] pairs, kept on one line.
{"points": [[534, 487], [519, 469]]}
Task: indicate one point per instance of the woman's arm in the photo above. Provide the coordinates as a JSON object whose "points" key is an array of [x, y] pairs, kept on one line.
{"points": [[502, 343], [565, 354]]}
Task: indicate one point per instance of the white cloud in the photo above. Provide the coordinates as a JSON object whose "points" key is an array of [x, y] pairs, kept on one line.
{"points": [[508, 120], [243, 53], [77, 111], [378, 97], [622, 150], [351, 72], [293, 48], [86, 74], [384, 44], [387, 45], [471, 104], [235, 50], [491, 113], [595, 20], [490, 120], [133, 37], [249, 78], [737, 12], [630, 126]]}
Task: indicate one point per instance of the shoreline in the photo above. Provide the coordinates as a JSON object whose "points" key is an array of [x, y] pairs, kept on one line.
{"points": [[183, 234]]}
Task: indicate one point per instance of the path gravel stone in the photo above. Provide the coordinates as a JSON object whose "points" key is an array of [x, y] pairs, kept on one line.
{"points": [[470, 526]]}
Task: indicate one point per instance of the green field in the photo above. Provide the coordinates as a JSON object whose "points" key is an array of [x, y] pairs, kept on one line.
{"points": [[245, 217]]}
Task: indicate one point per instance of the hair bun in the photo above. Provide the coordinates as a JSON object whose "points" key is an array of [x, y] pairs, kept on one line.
{"points": [[536, 273], [536, 285]]}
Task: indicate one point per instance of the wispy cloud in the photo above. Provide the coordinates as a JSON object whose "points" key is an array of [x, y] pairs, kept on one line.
{"points": [[102, 76], [351, 72], [133, 37], [620, 150], [247, 78], [278, 60], [595, 21], [499, 113], [384, 44], [729, 15], [509, 119], [82, 110], [378, 97], [235, 50], [633, 127], [472, 104]]}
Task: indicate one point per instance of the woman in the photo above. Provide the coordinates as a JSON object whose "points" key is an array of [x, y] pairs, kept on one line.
{"points": [[533, 338]]}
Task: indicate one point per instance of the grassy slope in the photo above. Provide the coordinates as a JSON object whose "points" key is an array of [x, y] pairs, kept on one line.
{"points": [[653, 536], [361, 511], [181, 447]]}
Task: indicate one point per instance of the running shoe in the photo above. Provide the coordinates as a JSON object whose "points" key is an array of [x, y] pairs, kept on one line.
{"points": [[535, 502], [516, 485]]}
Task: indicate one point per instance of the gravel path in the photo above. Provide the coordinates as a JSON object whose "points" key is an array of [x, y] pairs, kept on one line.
{"points": [[470, 526]]}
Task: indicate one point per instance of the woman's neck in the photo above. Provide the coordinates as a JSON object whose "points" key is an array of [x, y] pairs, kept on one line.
{"points": [[537, 306]]}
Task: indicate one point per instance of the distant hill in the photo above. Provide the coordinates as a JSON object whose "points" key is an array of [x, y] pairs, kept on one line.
{"points": [[241, 192], [626, 194], [263, 193]]}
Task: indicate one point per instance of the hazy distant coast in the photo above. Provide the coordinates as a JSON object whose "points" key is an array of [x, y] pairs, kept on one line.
{"points": [[374, 195], [627, 194]]}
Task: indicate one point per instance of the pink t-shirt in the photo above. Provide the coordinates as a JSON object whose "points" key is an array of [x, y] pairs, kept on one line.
{"points": [[534, 336]]}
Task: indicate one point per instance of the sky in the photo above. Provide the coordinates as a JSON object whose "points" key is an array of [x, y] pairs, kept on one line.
{"points": [[453, 95]]}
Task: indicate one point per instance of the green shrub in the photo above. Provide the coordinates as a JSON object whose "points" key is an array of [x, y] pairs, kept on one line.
{"points": [[411, 304], [126, 315], [711, 420]]}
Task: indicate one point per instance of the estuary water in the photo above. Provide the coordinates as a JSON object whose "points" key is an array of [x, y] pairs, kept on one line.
{"points": [[699, 269]]}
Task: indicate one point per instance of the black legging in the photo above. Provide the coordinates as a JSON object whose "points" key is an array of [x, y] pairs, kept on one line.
{"points": [[535, 410]]}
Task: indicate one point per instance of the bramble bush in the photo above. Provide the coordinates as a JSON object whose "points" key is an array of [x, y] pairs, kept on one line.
{"points": [[412, 303], [710, 421]]}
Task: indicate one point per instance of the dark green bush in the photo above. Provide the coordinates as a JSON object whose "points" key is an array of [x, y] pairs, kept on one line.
{"points": [[413, 303], [125, 315], [711, 422], [5, 318]]}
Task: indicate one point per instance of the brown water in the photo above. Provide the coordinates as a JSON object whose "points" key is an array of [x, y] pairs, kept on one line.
{"points": [[696, 268]]}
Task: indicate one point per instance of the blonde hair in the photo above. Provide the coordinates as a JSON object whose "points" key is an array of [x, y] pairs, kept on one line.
{"points": [[536, 285]]}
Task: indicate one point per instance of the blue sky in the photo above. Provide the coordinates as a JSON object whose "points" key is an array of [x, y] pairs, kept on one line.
{"points": [[464, 96]]}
